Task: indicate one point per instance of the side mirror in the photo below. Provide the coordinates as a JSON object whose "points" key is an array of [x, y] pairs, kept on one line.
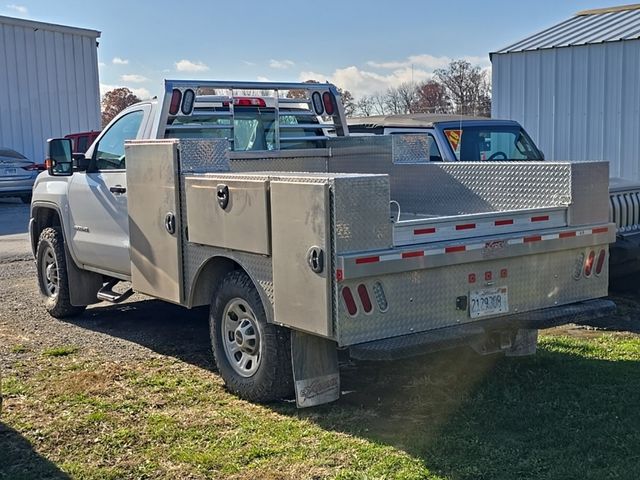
{"points": [[59, 160]]}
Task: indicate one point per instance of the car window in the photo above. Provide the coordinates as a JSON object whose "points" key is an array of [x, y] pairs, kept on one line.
{"points": [[110, 150], [473, 144], [82, 142]]}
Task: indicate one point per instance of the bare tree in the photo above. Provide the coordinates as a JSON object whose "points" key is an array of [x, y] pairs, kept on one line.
{"points": [[379, 102], [348, 102], [407, 94], [300, 93], [466, 85], [114, 101], [432, 98], [365, 106], [393, 101]]}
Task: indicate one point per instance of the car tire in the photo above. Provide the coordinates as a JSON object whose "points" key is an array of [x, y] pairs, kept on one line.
{"points": [[25, 199], [52, 275], [253, 357]]}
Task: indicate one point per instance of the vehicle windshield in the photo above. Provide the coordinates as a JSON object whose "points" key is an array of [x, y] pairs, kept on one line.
{"points": [[489, 143]]}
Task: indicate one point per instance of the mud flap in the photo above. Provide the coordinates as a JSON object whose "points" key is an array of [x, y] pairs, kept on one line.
{"points": [[525, 343], [315, 369], [83, 285]]}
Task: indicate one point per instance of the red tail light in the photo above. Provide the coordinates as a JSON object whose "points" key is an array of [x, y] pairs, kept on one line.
{"points": [[349, 301], [588, 265], [176, 99], [364, 298], [328, 101], [600, 263]]}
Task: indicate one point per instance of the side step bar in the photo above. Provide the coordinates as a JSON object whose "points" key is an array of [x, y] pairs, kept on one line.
{"points": [[107, 294]]}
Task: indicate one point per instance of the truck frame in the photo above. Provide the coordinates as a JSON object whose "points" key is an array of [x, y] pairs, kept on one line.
{"points": [[358, 243]]}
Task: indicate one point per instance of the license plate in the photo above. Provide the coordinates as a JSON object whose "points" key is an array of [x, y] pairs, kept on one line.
{"points": [[490, 301], [10, 172]]}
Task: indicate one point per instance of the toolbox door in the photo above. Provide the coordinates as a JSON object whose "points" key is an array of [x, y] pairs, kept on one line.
{"points": [[154, 218], [301, 256]]}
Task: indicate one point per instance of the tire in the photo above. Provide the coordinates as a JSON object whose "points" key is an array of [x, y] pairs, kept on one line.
{"points": [[25, 199], [253, 357], [52, 275]]}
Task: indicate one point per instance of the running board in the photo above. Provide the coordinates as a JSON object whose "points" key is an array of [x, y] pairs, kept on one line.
{"points": [[107, 294]]}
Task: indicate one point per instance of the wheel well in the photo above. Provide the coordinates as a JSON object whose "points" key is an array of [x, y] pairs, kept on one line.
{"points": [[208, 279], [43, 217]]}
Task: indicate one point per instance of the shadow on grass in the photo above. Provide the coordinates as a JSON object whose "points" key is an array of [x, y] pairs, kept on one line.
{"points": [[558, 414], [18, 459], [555, 415], [162, 327]]}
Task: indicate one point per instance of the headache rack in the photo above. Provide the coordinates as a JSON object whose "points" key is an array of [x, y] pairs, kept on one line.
{"points": [[264, 115]]}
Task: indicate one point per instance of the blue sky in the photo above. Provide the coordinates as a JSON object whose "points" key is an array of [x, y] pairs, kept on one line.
{"points": [[361, 46]]}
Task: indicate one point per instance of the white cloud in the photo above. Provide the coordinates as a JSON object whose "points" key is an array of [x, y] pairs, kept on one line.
{"points": [[426, 61], [380, 75], [141, 93], [120, 61], [281, 64], [362, 82], [189, 66], [102, 64], [134, 78], [248, 63], [260, 78], [21, 9]]}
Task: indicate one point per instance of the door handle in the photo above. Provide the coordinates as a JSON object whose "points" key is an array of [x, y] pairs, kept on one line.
{"points": [[117, 189]]}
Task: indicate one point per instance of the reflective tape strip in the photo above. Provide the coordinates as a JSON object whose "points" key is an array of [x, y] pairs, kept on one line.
{"points": [[477, 246]]}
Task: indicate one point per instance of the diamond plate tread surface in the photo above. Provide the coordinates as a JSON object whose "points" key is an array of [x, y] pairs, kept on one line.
{"points": [[361, 214], [411, 148], [424, 300], [204, 155]]}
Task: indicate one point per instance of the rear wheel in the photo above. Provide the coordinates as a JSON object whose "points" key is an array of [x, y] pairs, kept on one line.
{"points": [[52, 274], [252, 356]]}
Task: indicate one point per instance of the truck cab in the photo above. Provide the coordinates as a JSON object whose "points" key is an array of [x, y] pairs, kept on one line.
{"points": [[457, 137]]}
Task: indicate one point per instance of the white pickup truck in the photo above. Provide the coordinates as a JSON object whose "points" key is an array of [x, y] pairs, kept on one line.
{"points": [[304, 244]]}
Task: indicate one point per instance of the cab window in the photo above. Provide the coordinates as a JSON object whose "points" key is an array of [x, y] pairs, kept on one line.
{"points": [[473, 144], [109, 154]]}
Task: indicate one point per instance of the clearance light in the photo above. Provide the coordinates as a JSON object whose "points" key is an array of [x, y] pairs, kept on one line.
{"points": [[588, 265], [349, 301], [600, 262], [316, 99], [176, 98], [364, 298], [188, 100], [329, 102]]}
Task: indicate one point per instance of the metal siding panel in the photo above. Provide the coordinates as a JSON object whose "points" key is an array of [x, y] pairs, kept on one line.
{"points": [[42, 69], [15, 136], [630, 111], [563, 103], [62, 87], [612, 110], [546, 135], [80, 84], [93, 84], [532, 93], [578, 94], [5, 97], [517, 74], [594, 135], [35, 104]]}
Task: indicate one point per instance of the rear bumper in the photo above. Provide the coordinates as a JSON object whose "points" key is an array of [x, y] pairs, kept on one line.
{"points": [[426, 342]]}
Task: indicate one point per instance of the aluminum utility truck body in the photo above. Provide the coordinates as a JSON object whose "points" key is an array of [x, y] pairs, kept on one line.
{"points": [[357, 243]]}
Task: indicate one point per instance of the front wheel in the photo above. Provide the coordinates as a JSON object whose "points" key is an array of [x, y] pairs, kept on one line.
{"points": [[52, 274], [252, 356]]}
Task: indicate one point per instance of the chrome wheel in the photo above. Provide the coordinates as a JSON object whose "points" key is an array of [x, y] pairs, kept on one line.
{"points": [[49, 269], [241, 337]]}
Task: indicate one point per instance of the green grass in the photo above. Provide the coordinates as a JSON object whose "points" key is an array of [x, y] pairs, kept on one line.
{"points": [[61, 351], [571, 411], [19, 349]]}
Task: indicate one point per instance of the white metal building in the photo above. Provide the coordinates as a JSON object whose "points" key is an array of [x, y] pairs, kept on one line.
{"points": [[576, 88], [48, 84]]}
